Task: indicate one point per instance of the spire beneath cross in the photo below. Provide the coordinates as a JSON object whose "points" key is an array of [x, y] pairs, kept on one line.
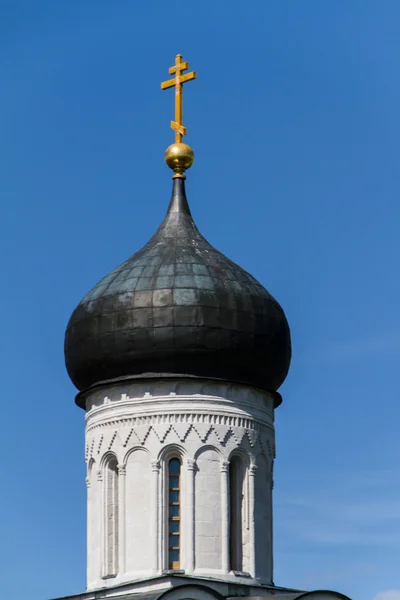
{"points": [[178, 82]]}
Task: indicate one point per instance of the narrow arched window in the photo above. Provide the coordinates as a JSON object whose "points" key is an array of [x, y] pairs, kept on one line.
{"points": [[236, 497], [174, 513], [111, 518]]}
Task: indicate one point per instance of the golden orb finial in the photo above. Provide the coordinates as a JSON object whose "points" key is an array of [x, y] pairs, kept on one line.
{"points": [[179, 156]]}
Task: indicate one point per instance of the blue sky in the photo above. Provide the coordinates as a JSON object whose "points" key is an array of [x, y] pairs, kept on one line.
{"points": [[295, 122]]}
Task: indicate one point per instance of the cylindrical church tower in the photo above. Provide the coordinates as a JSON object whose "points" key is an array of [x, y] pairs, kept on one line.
{"points": [[178, 355]]}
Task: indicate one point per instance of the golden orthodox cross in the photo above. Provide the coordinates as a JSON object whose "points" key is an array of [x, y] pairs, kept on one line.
{"points": [[178, 82]]}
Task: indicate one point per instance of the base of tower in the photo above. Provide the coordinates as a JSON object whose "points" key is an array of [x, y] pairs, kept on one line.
{"points": [[181, 587]]}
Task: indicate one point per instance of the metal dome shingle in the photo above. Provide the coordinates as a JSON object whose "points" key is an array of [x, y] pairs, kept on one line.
{"points": [[178, 307]]}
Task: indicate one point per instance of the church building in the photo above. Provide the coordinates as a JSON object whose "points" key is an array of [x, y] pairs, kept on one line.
{"points": [[178, 355]]}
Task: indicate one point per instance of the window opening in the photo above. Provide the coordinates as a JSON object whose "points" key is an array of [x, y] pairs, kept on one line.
{"points": [[236, 474], [174, 513]]}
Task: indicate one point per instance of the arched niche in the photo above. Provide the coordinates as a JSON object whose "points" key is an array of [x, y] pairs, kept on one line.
{"points": [[93, 523], [111, 516], [239, 549], [263, 520]]}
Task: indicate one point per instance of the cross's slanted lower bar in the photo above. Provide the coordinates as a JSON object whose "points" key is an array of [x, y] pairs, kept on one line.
{"points": [[178, 82]]}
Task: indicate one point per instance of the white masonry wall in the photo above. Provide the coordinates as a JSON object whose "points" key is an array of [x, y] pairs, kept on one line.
{"points": [[218, 431]]}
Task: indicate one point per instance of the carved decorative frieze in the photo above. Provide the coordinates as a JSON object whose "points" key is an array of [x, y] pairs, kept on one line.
{"points": [[183, 423], [112, 440], [144, 431], [178, 417]]}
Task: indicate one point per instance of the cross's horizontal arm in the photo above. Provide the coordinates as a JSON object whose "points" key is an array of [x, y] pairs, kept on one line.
{"points": [[168, 84], [180, 67], [188, 77], [182, 79], [179, 128]]}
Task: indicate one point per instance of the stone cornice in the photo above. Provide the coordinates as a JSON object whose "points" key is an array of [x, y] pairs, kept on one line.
{"points": [[158, 398]]}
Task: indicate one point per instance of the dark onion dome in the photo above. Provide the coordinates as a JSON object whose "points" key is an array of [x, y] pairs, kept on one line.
{"points": [[178, 307]]}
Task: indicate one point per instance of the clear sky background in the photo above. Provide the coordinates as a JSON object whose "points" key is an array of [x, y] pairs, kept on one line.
{"points": [[295, 121]]}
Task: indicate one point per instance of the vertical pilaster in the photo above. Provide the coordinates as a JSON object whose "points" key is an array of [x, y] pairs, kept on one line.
{"points": [[271, 550], [89, 518], [225, 516], [189, 517], [252, 475], [155, 500], [100, 508], [121, 518]]}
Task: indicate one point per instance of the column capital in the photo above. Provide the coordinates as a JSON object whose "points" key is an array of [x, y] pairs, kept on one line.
{"points": [[190, 464], [99, 475], [224, 466], [252, 470], [155, 466], [87, 482], [121, 469]]}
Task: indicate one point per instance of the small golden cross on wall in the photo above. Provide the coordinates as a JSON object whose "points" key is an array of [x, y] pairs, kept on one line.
{"points": [[178, 82]]}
